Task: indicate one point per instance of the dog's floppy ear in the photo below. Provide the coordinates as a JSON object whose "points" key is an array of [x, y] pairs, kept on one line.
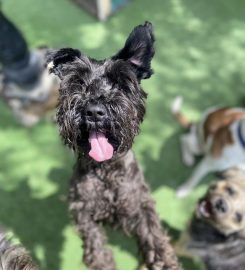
{"points": [[57, 58], [139, 50]]}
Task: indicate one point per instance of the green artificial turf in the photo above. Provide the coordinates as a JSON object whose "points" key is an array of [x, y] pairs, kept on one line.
{"points": [[200, 54]]}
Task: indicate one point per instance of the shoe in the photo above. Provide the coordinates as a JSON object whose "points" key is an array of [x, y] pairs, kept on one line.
{"points": [[29, 103]]}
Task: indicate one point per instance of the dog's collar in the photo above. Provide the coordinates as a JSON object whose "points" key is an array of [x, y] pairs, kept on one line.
{"points": [[239, 133]]}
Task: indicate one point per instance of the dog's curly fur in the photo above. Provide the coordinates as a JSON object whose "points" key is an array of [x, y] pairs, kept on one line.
{"points": [[114, 191], [14, 257]]}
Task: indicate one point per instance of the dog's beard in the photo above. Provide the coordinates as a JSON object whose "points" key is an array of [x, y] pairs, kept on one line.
{"points": [[102, 140], [107, 140]]}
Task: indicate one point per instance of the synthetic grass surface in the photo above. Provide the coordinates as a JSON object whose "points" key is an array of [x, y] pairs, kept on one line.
{"points": [[200, 54]]}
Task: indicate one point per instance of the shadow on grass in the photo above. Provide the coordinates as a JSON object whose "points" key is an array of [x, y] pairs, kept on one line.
{"points": [[32, 219], [168, 169]]}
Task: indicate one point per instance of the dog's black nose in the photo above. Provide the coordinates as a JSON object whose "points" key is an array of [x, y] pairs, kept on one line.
{"points": [[221, 206], [95, 112]]}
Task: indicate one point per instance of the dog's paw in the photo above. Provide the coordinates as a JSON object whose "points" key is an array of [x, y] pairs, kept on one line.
{"points": [[188, 159], [176, 105], [183, 191]]}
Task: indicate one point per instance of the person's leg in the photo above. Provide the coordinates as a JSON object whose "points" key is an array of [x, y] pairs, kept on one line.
{"points": [[18, 64]]}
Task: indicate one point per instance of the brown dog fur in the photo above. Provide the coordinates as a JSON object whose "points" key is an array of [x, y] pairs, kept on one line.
{"points": [[218, 237]]}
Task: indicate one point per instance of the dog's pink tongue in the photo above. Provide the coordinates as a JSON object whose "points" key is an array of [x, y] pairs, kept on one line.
{"points": [[101, 150]]}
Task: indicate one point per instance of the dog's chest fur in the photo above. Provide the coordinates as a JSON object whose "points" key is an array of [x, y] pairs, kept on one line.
{"points": [[14, 257], [219, 252], [107, 190]]}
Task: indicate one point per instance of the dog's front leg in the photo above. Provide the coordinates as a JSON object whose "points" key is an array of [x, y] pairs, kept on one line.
{"points": [[158, 254], [202, 169], [95, 253]]}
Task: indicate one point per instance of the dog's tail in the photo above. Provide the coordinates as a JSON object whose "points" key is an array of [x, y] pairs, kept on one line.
{"points": [[14, 256], [176, 111]]}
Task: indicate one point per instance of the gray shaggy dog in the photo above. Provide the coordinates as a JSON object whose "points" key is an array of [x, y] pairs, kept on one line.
{"points": [[14, 257], [100, 109]]}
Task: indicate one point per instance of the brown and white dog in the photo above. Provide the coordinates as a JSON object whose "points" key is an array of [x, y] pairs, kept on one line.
{"points": [[217, 231], [219, 137]]}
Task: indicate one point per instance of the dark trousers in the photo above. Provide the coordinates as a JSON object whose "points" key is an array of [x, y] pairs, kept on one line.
{"points": [[13, 48], [14, 54]]}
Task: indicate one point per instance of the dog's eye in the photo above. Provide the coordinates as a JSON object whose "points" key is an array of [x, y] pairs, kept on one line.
{"points": [[238, 217], [230, 190]]}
